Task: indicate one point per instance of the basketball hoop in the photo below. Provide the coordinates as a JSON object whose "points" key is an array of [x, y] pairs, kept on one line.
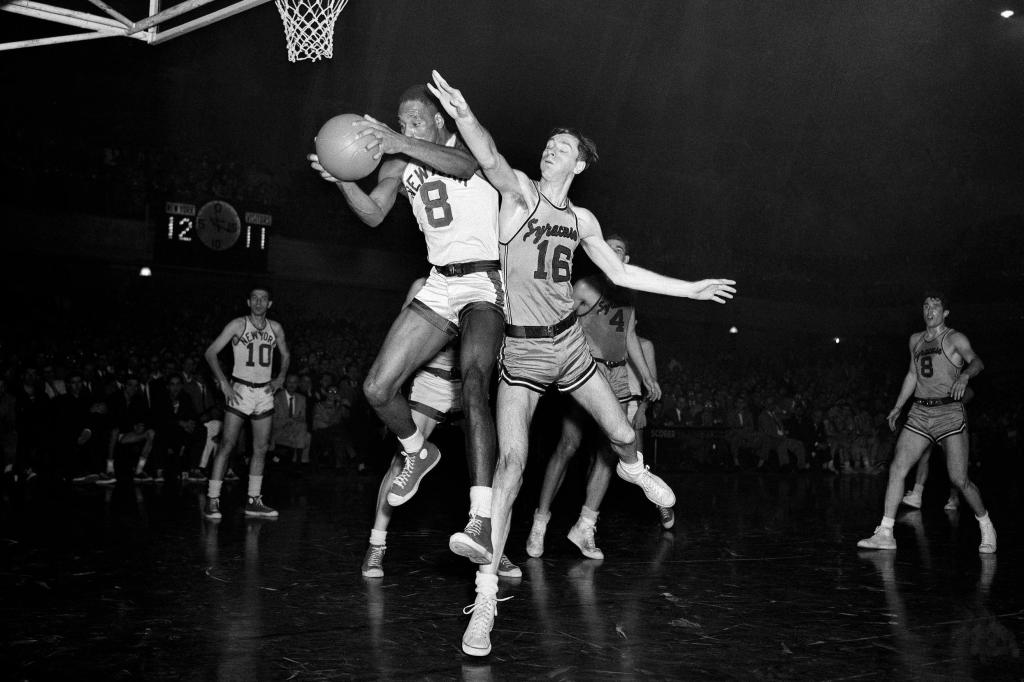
{"points": [[309, 27]]}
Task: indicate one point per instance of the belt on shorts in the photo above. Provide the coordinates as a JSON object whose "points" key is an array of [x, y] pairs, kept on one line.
{"points": [[610, 364], [935, 402], [249, 383], [446, 374], [460, 269], [542, 332]]}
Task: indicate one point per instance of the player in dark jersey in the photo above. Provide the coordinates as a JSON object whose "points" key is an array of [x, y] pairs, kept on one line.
{"points": [[941, 363], [539, 229], [608, 317], [249, 394]]}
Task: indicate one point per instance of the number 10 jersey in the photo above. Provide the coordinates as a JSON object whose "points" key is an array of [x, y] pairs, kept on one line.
{"points": [[254, 353], [458, 217]]}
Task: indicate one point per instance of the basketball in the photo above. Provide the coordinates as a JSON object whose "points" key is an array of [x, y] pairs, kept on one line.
{"points": [[341, 152]]}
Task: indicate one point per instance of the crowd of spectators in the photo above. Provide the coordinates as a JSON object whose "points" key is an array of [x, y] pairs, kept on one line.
{"points": [[90, 397], [128, 394]]}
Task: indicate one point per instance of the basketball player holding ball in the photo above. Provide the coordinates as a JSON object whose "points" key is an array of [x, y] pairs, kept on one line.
{"points": [[457, 211]]}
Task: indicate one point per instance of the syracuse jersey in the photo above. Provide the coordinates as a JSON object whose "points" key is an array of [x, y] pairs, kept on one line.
{"points": [[537, 264], [936, 372], [606, 322], [458, 218], [254, 353]]}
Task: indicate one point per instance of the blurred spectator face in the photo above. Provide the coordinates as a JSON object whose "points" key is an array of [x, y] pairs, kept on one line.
{"points": [[174, 386], [326, 380], [306, 385], [30, 377], [291, 383], [189, 365], [131, 386], [75, 385]]}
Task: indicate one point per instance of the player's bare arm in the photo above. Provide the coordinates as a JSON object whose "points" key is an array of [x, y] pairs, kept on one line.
{"points": [[282, 348], [636, 355], [233, 329], [634, 277], [372, 208], [584, 296], [480, 143], [908, 386], [972, 365], [382, 139]]}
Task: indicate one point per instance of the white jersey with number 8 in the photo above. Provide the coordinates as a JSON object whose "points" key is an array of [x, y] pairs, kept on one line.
{"points": [[458, 218]]}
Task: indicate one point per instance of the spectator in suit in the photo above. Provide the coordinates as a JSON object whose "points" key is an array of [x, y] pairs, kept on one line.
{"points": [[289, 433], [770, 424], [179, 435]]}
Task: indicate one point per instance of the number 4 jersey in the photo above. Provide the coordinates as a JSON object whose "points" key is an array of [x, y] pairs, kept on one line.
{"points": [[458, 218], [254, 353], [537, 264]]}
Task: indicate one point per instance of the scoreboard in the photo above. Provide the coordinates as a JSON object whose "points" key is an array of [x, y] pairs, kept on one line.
{"points": [[213, 234]]}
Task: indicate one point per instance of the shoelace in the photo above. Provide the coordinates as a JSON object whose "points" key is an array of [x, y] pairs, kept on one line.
{"points": [[474, 526], [588, 537], [403, 477], [505, 564], [486, 601], [376, 555]]}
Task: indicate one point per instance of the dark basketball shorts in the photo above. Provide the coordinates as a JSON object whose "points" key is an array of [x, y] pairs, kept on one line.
{"points": [[618, 379], [443, 300], [936, 422], [564, 361]]}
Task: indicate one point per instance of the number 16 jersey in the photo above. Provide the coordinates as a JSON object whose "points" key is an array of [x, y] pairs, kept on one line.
{"points": [[537, 264], [458, 217]]}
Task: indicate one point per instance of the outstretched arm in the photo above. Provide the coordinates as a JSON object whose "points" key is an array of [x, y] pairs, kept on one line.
{"points": [[479, 141], [633, 277]]}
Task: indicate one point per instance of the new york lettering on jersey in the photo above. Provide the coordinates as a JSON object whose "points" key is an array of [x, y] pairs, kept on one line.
{"points": [[537, 261], [605, 326], [936, 372], [254, 353], [458, 217]]}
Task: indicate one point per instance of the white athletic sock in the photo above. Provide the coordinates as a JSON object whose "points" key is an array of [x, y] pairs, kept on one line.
{"points": [[918, 489], [486, 583], [984, 519], [636, 467], [213, 488], [588, 516], [888, 522], [378, 537], [412, 444], [255, 485], [480, 500]]}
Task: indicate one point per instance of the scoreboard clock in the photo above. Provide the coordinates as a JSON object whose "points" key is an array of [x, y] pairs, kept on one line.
{"points": [[213, 234]]}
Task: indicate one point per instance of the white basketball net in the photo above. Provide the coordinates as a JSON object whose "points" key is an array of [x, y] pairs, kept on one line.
{"points": [[309, 27]]}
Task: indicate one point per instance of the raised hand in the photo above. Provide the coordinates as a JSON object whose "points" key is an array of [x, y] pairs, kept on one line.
{"points": [[314, 163], [451, 99], [717, 290]]}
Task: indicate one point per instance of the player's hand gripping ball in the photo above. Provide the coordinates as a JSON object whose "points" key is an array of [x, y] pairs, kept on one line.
{"points": [[342, 152]]}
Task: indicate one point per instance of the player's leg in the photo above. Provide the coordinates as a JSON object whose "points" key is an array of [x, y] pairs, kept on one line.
{"points": [[411, 341], [373, 561], [599, 477], [554, 474], [596, 398], [228, 437], [516, 405], [913, 498], [255, 507], [909, 447], [957, 447], [481, 326]]}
